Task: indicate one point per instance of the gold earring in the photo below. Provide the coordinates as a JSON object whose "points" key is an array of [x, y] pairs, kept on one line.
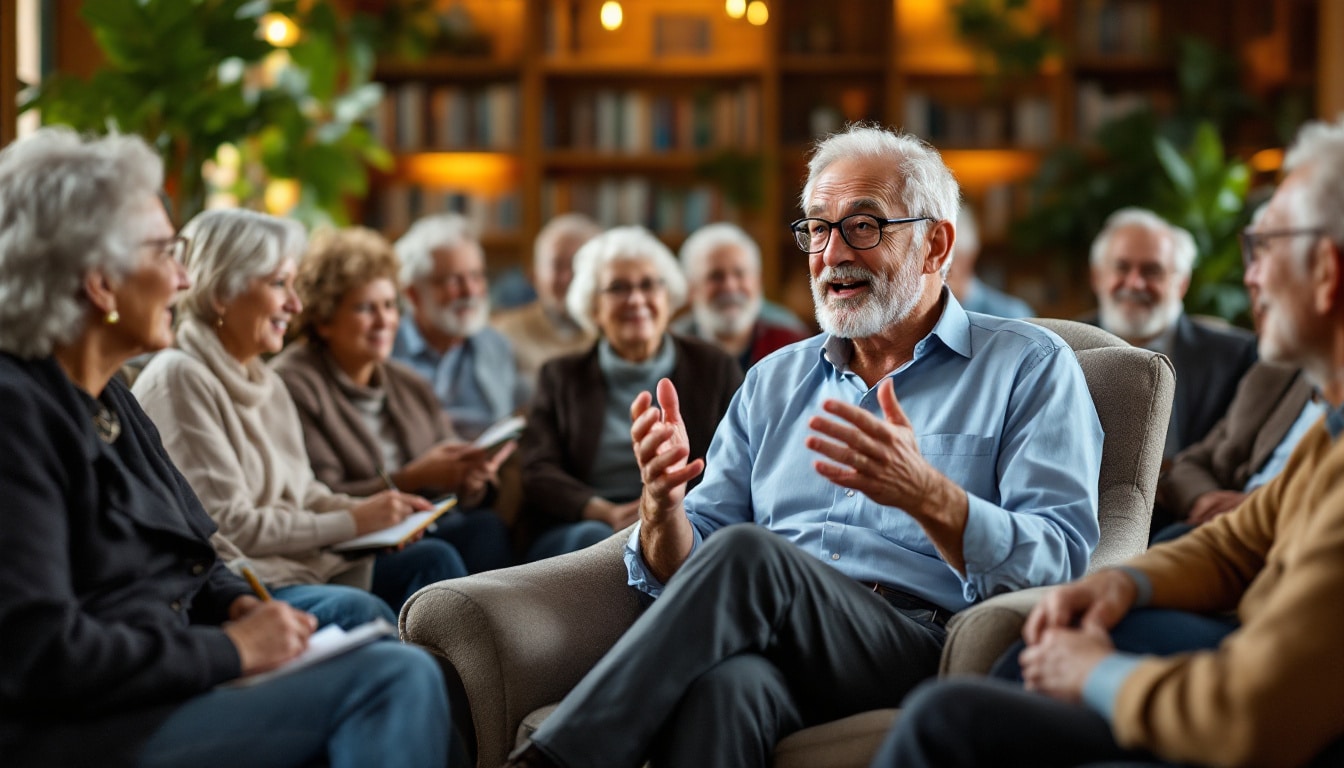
{"points": [[111, 318]]}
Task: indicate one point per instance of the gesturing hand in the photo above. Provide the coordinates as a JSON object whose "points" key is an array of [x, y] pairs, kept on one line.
{"points": [[878, 457], [662, 449]]}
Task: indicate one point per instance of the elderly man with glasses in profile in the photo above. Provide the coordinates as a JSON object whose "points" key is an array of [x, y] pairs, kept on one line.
{"points": [[1222, 647], [863, 486]]}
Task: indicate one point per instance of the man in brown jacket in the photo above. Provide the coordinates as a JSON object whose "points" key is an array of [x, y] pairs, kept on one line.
{"points": [[1143, 662]]}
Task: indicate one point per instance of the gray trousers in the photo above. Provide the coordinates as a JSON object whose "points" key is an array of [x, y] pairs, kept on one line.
{"points": [[752, 640]]}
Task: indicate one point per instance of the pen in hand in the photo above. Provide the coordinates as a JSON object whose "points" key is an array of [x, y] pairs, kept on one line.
{"points": [[257, 586]]}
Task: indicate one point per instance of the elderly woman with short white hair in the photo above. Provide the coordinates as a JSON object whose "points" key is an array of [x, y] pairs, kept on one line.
{"points": [[118, 620], [580, 479], [230, 425]]}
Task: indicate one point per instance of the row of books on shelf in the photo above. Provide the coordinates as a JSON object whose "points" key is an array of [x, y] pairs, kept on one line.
{"points": [[666, 209], [396, 206], [416, 116], [1118, 28], [636, 121], [1026, 122]]}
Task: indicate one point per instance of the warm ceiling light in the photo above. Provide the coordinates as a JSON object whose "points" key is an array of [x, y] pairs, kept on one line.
{"points": [[279, 30], [736, 8], [757, 13], [612, 15], [1267, 160]]}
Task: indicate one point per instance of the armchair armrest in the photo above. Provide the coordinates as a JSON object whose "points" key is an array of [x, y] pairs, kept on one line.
{"points": [[520, 638], [979, 635]]}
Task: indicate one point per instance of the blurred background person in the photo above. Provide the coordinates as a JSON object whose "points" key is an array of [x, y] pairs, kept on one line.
{"points": [[722, 265], [970, 291], [233, 430], [580, 479], [447, 338], [1140, 272], [117, 617], [368, 420], [543, 329]]}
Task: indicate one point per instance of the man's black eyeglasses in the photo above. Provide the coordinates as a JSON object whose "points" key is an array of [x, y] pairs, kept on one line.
{"points": [[1253, 243], [860, 231]]}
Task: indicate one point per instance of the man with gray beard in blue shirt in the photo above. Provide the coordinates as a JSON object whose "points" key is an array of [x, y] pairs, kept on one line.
{"points": [[864, 485]]}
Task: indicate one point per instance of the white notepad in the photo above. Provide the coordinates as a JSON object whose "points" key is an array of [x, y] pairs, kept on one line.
{"points": [[500, 432], [323, 644], [401, 532]]}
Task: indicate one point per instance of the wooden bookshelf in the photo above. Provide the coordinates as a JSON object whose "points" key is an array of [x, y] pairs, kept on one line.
{"points": [[628, 125]]}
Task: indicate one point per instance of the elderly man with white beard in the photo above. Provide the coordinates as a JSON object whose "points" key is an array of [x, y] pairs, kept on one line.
{"points": [[863, 486], [1140, 271], [445, 337], [722, 265]]}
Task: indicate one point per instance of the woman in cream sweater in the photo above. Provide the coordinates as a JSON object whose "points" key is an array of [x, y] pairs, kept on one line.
{"points": [[230, 426]]}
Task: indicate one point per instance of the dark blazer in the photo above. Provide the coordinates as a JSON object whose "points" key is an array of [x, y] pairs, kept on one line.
{"points": [[564, 424], [1209, 360], [110, 592], [1268, 401]]}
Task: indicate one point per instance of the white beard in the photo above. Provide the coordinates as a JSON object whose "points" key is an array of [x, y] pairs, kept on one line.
{"points": [[462, 318], [727, 316], [889, 300], [1129, 323]]}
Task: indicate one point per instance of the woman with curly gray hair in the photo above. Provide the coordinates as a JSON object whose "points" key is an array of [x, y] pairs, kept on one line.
{"points": [[229, 423], [118, 619]]}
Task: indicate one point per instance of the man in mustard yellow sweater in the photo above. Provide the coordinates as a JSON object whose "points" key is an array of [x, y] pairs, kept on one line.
{"points": [[1225, 647]]}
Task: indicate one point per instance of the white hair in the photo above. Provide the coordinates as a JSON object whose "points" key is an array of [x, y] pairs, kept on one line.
{"points": [[230, 247], [619, 244], [1321, 144], [968, 231], [66, 208], [416, 248], [928, 187], [710, 238], [1183, 248], [543, 248]]}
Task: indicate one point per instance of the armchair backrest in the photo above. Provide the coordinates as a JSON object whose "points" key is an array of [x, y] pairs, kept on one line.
{"points": [[1132, 390]]}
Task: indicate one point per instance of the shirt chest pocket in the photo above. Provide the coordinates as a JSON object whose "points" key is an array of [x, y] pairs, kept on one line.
{"points": [[967, 460]]}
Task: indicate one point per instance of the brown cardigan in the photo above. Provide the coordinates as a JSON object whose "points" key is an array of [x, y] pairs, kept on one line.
{"points": [[564, 424], [1268, 401], [1272, 692], [344, 454]]}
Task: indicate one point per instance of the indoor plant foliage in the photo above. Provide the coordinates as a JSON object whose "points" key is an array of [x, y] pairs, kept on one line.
{"points": [[191, 76]]}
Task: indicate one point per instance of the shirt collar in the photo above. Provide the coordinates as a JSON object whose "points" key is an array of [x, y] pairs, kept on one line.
{"points": [[1334, 421], [953, 329]]}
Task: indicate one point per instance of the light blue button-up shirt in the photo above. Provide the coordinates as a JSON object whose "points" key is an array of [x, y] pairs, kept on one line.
{"points": [[477, 381], [999, 406]]}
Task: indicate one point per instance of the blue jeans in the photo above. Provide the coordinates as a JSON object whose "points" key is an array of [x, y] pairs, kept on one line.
{"points": [[346, 607], [566, 538], [383, 704], [398, 575], [479, 536]]}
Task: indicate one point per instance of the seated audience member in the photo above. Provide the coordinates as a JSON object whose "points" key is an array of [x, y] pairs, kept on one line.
{"points": [[722, 265], [1272, 410], [543, 329], [230, 426], [973, 294], [580, 479], [863, 485], [1147, 663], [368, 421], [447, 339], [1140, 272], [117, 618]]}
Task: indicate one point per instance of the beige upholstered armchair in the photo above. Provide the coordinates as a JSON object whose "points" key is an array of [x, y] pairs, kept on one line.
{"points": [[518, 639]]}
